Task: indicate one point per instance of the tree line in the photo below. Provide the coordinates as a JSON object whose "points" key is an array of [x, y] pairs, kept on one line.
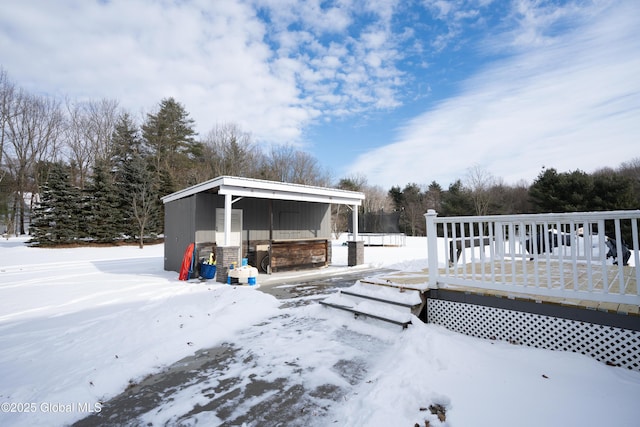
{"points": [[90, 171], [481, 193]]}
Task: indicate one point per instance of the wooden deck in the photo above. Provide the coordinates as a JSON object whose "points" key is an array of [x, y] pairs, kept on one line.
{"points": [[523, 275], [572, 270]]}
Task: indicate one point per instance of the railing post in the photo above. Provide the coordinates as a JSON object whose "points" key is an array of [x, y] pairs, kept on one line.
{"points": [[432, 247]]}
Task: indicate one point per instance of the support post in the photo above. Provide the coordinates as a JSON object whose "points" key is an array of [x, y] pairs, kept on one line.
{"points": [[355, 247], [432, 247], [225, 256], [354, 216], [227, 219], [355, 253]]}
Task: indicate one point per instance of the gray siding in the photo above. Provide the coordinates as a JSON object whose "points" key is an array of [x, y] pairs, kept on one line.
{"points": [[194, 219], [179, 229], [255, 220], [291, 220], [205, 222], [301, 220]]}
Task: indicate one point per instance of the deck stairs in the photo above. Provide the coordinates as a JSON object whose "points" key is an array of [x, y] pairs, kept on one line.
{"points": [[380, 299]]}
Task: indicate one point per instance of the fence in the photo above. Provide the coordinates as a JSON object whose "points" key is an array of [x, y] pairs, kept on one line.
{"points": [[584, 256], [381, 239]]}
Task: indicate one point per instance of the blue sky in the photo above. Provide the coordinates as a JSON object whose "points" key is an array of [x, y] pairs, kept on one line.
{"points": [[396, 91]]}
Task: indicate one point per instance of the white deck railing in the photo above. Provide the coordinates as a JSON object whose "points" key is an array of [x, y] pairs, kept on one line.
{"points": [[578, 256]]}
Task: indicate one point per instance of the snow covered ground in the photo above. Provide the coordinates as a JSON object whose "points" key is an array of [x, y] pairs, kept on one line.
{"points": [[77, 326]]}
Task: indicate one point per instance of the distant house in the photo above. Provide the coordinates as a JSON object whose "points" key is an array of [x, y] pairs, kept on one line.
{"points": [[275, 225]]}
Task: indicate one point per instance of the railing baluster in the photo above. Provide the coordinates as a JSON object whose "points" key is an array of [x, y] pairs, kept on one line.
{"points": [[508, 239], [562, 235], [603, 256], [523, 260], [619, 255], [463, 254], [454, 234], [574, 253], [520, 244], [587, 231], [472, 247], [447, 242], [636, 252]]}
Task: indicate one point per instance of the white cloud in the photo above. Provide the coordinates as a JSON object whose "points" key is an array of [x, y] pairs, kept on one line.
{"points": [[571, 104], [454, 15], [271, 66], [275, 67], [344, 67], [212, 59]]}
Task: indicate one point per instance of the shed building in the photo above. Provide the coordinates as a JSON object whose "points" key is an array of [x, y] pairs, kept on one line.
{"points": [[276, 226]]}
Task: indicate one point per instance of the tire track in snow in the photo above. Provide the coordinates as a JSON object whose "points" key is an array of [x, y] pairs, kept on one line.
{"points": [[288, 370]]}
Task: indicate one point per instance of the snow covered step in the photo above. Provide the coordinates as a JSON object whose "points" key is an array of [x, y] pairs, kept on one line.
{"points": [[411, 300], [381, 303], [369, 310], [419, 287], [382, 300]]}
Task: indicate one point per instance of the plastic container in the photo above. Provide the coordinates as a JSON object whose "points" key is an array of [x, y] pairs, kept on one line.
{"points": [[245, 262], [252, 281], [207, 271]]}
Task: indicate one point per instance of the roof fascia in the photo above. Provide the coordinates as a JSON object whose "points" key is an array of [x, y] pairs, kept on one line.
{"points": [[257, 188], [289, 195], [198, 188]]}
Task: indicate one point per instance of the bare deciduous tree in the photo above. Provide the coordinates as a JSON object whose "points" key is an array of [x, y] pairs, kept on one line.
{"points": [[100, 121], [7, 92], [79, 150], [480, 181], [143, 203], [376, 199], [286, 164], [32, 136], [228, 150], [88, 134]]}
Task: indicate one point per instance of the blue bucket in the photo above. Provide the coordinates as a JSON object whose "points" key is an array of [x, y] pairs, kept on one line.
{"points": [[207, 271]]}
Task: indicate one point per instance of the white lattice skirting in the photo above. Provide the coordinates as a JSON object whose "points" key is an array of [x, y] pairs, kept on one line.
{"points": [[620, 347]]}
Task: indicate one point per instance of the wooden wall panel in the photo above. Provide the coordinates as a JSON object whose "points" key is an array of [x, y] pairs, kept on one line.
{"points": [[299, 254]]}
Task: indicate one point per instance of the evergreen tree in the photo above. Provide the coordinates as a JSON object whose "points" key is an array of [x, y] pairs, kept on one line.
{"points": [[414, 208], [103, 217], [612, 191], [170, 136], [410, 202], [141, 207], [433, 196], [457, 201], [127, 145], [631, 170], [57, 218], [395, 194], [125, 141]]}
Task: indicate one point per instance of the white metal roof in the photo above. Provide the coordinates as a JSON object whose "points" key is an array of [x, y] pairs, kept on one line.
{"points": [[261, 189]]}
